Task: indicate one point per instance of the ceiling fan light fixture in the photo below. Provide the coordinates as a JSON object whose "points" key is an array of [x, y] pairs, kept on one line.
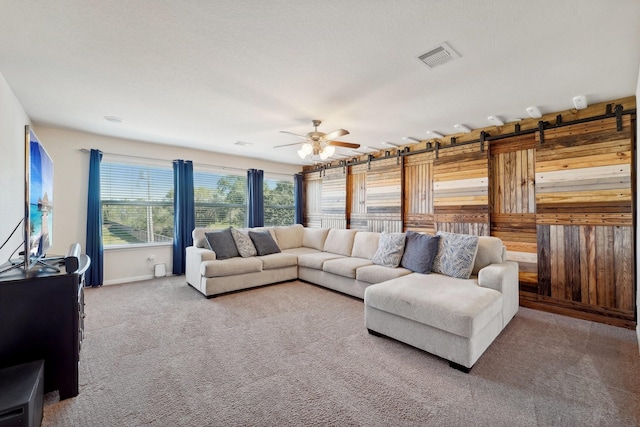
{"points": [[327, 152]]}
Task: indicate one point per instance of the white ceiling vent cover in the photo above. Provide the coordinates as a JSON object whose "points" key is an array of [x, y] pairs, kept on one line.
{"points": [[439, 55]]}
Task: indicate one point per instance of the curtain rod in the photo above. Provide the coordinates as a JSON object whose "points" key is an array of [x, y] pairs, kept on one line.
{"points": [[85, 150]]}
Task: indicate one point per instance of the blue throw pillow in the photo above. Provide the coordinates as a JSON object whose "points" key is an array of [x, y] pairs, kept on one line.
{"points": [[222, 243], [419, 252]]}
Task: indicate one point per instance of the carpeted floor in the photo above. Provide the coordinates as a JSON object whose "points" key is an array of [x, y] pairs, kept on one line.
{"points": [[159, 353]]}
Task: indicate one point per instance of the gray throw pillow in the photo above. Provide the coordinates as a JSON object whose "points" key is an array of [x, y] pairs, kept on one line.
{"points": [[456, 254], [390, 249], [222, 243], [419, 252], [263, 242], [243, 243]]}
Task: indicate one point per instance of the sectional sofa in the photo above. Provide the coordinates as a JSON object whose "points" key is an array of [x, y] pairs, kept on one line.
{"points": [[450, 313]]}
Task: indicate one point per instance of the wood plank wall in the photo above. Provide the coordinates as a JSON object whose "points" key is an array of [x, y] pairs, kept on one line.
{"points": [[562, 201]]}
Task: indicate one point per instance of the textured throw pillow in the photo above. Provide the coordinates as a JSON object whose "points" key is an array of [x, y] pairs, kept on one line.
{"points": [[221, 242], [390, 249], [456, 254], [243, 243], [419, 252], [263, 242]]}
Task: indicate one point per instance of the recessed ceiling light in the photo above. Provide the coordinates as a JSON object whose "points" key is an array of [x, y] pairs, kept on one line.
{"points": [[462, 128], [434, 133], [495, 120], [243, 143], [534, 112], [114, 119]]}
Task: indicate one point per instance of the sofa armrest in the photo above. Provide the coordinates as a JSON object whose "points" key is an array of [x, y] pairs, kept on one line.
{"points": [[194, 258], [503, 277], [202, 254]]}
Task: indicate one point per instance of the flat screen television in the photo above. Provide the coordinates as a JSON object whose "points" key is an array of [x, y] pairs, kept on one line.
{"points": [[38, 219]]}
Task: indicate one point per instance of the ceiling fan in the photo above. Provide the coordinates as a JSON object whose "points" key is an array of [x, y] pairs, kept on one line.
{"points": [[319, 143]]}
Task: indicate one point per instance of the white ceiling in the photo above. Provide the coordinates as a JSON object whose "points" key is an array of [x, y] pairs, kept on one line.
{"points": [[205, 74]]}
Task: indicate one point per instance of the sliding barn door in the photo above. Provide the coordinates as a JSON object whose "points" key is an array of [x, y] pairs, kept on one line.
{"points": [[384, 195], [513, 205], [334, 199], [418, 192], [313, 200], [585, 217]]}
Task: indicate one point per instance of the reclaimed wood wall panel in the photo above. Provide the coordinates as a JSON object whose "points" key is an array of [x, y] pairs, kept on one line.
{"points": [[334, 199], [313, 200], [584, 199], [358, 187], [513, 205], [384, 195], [461, 189], [418, 193]]}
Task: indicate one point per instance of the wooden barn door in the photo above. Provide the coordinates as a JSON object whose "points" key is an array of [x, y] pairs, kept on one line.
{"points": [[384, 195], [584, 218], [418, 192], [513, 205], [313, 200], [334, 198]]}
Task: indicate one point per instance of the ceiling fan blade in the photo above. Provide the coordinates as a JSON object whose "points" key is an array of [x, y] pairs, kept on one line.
{"points": [[336, 134], [287, 145], [291, 133], [344, 144]]}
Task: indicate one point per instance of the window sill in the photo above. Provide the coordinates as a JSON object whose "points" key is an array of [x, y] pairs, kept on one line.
{"points": [[136, 246]]}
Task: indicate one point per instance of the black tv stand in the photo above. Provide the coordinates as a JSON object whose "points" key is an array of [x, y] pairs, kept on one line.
{"points": [[42, 317]]}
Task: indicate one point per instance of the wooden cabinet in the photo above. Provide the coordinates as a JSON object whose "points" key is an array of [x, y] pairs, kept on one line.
{"points": [[42, 317]]}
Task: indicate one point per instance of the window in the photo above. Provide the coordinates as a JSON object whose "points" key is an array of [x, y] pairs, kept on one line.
{"points": [[278, 200], [137, 203], [220, 198]]}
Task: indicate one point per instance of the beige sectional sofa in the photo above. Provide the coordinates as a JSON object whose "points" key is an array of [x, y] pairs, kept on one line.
{"points": [[454, 318]]}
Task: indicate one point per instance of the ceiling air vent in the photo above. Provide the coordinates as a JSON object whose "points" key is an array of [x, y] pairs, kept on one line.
{"points": [[438, 55]]}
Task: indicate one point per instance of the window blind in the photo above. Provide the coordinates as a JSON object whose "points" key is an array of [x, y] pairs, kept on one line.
{"points": [[220, 198]]}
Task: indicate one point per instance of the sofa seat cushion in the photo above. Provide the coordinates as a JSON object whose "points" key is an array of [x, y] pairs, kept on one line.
{"points": [[378, 273], [230, 267], [346, 267], [278, 260], [301, 251], [457, 306], [315, 260]]}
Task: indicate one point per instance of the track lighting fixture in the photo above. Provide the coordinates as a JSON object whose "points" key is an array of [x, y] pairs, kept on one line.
{"points": [[435, 134], [495, 120], [462, 128], [390, 144], [580, 102], [534, 112], [410, 138]]}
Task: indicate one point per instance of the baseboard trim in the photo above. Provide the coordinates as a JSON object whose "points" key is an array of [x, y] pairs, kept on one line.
{"points": [[130, 279]]}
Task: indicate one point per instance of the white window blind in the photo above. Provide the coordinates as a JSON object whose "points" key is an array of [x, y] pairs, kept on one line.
{"points": [[278, 200], [220, 198], [137, 203]]}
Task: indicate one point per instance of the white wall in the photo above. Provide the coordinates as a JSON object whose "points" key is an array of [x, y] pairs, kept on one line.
{"points": [[70, 193], [12, 122]]}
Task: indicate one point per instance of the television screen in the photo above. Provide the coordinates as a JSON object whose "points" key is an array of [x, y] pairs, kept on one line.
{"points": [[40, 195]]}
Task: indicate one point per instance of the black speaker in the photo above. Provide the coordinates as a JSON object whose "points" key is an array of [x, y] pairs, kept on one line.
{"points": [[21, 389], [71, 259]]}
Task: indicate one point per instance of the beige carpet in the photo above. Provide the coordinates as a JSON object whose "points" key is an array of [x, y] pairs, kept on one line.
{"points": [[158, 353]]}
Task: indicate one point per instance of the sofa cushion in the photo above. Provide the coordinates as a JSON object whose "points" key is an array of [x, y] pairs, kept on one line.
{"points": [[490, 251], [289, 236], [278, 260], [314, 238], [244, 243], [419, 252], [316, 260], [263, 242], [230, 267], [458, 306], [301, 251], [456, 254], [377, 273], [222, 243], [390, 249], [365, 244], [340, 241], [345, 267]]}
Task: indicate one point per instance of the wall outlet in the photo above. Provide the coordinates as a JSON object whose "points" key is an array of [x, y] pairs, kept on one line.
{"points": [[151, 258]]}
